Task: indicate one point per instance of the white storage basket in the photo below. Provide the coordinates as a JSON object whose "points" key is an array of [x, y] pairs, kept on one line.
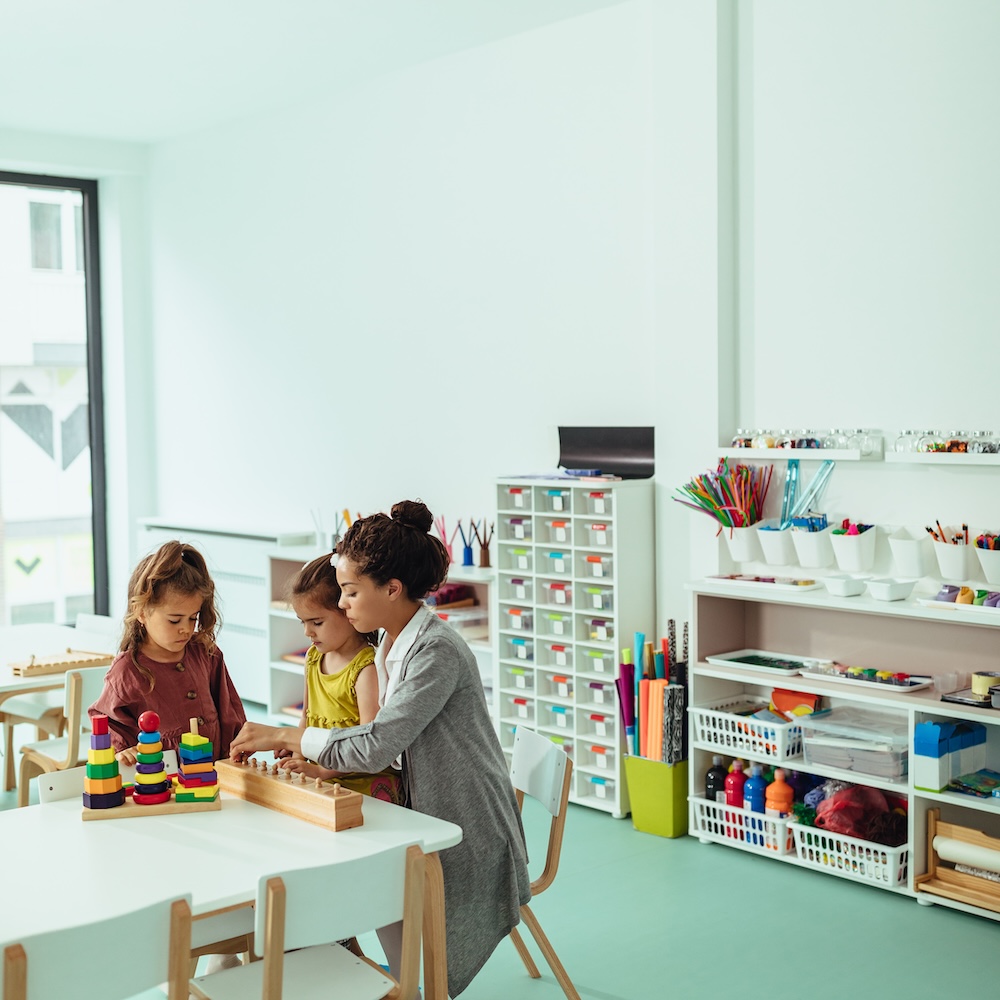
{"points": [[722, 824], [862, 860], [738, 735]]}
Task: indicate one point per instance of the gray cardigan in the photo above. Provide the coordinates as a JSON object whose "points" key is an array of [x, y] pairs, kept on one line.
{"points": [[455, 770]]}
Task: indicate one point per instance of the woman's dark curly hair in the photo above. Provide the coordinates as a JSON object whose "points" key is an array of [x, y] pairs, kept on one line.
{"points": [[398, 546]]}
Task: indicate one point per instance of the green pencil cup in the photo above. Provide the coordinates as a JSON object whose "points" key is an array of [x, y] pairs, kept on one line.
{"points": [[658, 794]]}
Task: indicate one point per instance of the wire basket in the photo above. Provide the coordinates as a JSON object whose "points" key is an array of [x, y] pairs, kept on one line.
{"points": [[739, 734], [723, 824], [862, 860]]}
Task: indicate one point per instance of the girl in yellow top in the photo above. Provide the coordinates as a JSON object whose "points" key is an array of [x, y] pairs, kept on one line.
{"points": [[341, 688]]}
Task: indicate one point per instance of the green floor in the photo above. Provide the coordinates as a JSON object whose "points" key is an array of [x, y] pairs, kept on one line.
{"points": [[634, 916]]}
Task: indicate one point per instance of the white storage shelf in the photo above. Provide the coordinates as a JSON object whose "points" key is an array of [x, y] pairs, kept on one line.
{"points": [[899, 636], [562, 548]]}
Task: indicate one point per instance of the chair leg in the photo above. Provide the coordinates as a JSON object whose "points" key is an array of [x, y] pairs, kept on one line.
{"points": [[27, 771], [550, 956], [529, 962], [8, 756]]}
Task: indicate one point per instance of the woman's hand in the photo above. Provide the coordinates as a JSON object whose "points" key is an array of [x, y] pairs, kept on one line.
{"points": [[255, 736], [127, 756]]}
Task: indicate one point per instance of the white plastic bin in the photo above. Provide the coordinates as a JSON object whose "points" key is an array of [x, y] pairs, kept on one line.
{"points": [[861, 860], [720, 724]]}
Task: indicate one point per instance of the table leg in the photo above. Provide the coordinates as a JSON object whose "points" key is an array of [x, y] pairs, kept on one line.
{"points": [[435, 950]]}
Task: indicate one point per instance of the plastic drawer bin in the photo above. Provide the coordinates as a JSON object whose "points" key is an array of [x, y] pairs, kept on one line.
{"points": [[558, 593], [600, 693], [601, 724], [599, 598], [559, 685], [600, 788], [518, 528], [599, 502], [520, 649], [597, 566], [719, 726], [597, 661], [721, 824], [519, 559], [559, 655], [520, 707], [599, 534], [560, 716], [556, 562], [470, 623], [516, 497], [603, 758], [519, 619], [557, 623], [557, 501], [520, 678], [517, 588], [600, 630], [559, 531], [861, 860], [854, 739]]}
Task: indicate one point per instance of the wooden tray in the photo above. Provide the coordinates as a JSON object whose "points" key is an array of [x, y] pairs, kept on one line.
{"points": [[61, 662]]}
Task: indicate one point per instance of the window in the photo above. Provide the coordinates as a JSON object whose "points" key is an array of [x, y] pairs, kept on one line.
{"points": [[53, 550]]}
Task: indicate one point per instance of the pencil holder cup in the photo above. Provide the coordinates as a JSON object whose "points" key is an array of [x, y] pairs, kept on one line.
{"points": [[813, 548], [911, 552], [743, 544], [954, 561], [989, 561], [854, 553], [776, 544]]}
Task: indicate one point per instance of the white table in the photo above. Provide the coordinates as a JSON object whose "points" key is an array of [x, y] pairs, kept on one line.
{"points": [[19, 642], [58, 869]]}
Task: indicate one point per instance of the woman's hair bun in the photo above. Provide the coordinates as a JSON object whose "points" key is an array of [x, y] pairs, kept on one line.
{"points": [[413, 514]]}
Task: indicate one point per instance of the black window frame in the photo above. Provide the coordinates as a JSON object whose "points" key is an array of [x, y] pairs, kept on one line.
{"points": [[95, 369]]}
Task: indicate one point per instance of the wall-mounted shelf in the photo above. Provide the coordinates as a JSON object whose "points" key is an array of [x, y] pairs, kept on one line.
{"points": [[943, 460], [802, 454]]}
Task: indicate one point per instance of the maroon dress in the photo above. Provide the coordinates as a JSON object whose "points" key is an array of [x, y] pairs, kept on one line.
{"points": [[197, 687]]}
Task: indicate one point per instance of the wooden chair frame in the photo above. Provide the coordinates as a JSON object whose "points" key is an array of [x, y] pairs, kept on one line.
{"points": [[547, 877]]}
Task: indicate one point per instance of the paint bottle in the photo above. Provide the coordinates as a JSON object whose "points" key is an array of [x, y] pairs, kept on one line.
{"points": [[801, 783], [734, 785], [779, 796], [754, 789], [715, 781]]}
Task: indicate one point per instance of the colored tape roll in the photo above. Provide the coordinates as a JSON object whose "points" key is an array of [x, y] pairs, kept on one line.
{"points": [[983, 680]]}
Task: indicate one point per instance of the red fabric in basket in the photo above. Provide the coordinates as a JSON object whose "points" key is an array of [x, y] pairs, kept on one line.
{"points": [[851, 810]]}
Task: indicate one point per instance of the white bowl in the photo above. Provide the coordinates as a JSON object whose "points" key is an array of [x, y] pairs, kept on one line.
{"points": [[888, 589], [844, 586]]}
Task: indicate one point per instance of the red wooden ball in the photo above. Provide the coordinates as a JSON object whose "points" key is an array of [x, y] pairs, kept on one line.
{"points": [[149, 722]]}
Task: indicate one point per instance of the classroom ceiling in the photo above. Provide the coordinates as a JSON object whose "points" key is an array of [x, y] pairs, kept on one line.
{"points": [[144, 71]]}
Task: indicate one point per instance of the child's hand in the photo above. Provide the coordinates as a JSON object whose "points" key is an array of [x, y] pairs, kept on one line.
{"points": [[298, 765], [127, 756], [282, 754]]}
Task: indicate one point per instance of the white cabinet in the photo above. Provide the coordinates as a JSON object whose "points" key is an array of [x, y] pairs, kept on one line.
{"points": [[575, 582], [237, 559], [899, 636]]}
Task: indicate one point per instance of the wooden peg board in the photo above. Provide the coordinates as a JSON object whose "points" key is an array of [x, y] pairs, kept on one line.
{"points": [[332, 806], [72, 659]]}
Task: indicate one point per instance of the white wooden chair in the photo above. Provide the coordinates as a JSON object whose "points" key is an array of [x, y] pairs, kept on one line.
{"points": [[82, 688], [66, 784], [541, 769], [87, 961], [311, 909], [44, 709]]}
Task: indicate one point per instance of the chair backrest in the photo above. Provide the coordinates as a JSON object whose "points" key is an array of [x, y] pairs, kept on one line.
{"points": [[303, 907], [541, 769], [97, 633], [83, 688], [65, 784], [86, 961]]}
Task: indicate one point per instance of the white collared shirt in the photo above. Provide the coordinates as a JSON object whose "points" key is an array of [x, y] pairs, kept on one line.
{"points": [[388, 665]]}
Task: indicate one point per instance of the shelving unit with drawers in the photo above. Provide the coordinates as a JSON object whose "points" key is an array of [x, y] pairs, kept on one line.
{"points": [[898, 636], [575, 581]]}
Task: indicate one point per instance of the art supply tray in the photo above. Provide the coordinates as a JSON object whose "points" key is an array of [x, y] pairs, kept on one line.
{"points": [[896, 687], [769, 584], [787, 664], [720, 726]]}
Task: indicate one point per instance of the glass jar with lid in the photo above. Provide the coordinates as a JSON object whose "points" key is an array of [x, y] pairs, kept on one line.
{"points": [[835, 438], [742, 438], [906, 441], [762, 439], [931, 441], [983, 443], [784, 439], [957, 442], [807, 439]]}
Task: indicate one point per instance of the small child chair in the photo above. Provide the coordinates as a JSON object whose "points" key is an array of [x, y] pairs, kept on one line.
{"points": [[541, 769], [77, 961], [310, 909]]}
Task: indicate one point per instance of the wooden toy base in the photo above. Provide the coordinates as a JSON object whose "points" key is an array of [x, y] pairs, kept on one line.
{"points": [[130, 809], [332, 806]]}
